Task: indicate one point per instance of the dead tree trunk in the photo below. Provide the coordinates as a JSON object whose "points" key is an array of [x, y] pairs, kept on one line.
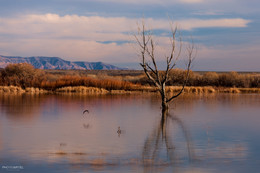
{"points": [[145, 42]]}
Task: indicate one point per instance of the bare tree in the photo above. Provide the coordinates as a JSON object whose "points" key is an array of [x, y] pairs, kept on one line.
{"points": [[145, 41]]}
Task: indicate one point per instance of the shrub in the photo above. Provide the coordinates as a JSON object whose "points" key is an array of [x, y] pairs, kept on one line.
{"points": [[108, 84], [22, 74], [176, 77], [210, 79], [25, 75]]}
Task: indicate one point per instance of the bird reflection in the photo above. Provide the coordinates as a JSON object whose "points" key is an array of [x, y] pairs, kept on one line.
{"points": [[62, 144], [159, 149], [119, 131], [86, 126]]}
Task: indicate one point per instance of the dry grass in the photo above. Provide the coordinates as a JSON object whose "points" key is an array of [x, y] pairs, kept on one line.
{"points": [[210, 89], [32, 90], [23, 78], [249, 90], [143, 89], [19, 90], [105, 83], [11, 89], [188, 89], [230, 90], [82, 90]]}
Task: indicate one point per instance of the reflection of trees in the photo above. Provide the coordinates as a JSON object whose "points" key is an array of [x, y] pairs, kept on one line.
{"points": [[159, 149], [21, 106]]}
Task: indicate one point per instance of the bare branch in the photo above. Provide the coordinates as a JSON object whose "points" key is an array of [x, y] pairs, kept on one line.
{"points": [[154, 72], [154, 63], [190, 50], [149, 76], [143, 41], [147, 48], [172, 54]]}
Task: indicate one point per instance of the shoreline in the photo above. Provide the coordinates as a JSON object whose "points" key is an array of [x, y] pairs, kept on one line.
{"points": [[143, 89]]}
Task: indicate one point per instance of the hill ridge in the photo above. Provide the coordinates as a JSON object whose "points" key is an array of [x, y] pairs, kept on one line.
{"points": [[44, 62]]}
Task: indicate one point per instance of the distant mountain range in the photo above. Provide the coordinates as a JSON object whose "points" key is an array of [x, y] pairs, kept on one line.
{"points": [[41, 62]]}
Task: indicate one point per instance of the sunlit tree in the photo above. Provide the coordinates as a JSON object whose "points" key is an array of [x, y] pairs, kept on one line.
{"points": [[145, 41]]}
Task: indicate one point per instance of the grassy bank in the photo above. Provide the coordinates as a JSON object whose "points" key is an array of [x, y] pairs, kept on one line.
{"points": [[24, 78], [19, 90], [144, 89]]}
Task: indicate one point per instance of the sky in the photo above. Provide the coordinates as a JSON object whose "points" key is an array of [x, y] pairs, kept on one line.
{"points": [[226, 32]]}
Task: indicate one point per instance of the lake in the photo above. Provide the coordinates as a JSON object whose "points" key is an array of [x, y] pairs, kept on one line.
{"points": [[125, 133]]}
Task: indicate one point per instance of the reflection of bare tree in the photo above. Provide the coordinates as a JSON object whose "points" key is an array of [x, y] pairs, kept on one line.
{"points": [[159, 149]]}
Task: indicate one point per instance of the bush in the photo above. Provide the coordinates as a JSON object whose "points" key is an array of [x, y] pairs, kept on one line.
{"points": [[22, 74], [25, 75], [210, 79], [176, 77], [231, 79], [108, 84]]}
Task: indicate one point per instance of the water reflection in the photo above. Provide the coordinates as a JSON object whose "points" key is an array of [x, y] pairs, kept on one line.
{"points": [[18, 107], [51, 130], [119, 131], [86, 126], [159, 148]]}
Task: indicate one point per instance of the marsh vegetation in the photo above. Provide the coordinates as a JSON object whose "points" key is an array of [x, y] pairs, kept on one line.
{"points": [[21, 78]]}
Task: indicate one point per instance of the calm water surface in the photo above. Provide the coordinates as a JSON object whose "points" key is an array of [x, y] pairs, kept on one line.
{"points": [[49, 133]]}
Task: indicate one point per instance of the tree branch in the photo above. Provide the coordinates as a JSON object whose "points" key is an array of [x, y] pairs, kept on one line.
{"points": [[146, 43], [150, 77], [190, 50]]}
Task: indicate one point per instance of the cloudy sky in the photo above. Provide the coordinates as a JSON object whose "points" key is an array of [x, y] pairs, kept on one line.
{"points": [[226, 32]]}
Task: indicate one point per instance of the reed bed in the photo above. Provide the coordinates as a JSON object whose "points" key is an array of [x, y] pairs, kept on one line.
{"points": [[82, 90], [23, 78], [19, 90], [212, 90], [32, 90], [250, 90], [188, 89], [145, 89], [11, 89]]}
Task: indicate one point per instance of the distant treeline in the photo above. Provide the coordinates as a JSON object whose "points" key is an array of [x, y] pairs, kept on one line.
{"points": [[25, 75], [227, 79]]}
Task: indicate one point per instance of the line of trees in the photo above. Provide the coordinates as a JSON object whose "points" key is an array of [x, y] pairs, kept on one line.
{"points": [[25, 75], [225, 79]]}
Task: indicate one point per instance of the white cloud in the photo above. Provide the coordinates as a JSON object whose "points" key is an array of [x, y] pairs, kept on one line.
{"points": [[161, 2], [209, 12], [74, 50], [225, 23], [74, 25], [80, 36], [192, 1]]}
